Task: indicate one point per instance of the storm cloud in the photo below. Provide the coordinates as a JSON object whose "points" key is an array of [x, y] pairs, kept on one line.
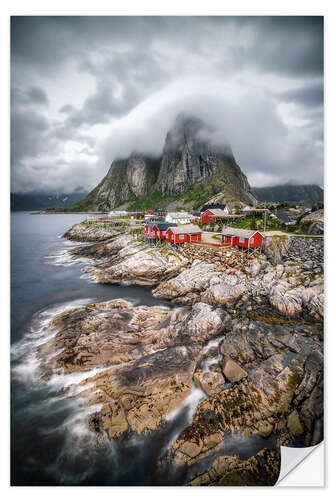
{"points": [[86, 90]]}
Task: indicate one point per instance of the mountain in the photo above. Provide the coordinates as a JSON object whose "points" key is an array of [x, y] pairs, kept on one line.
{"points": [[190, 171], [38, 201], [127, 179], [308, 194]]}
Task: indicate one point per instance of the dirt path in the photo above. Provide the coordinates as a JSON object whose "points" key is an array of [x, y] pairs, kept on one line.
{"points": [[208, 238]]}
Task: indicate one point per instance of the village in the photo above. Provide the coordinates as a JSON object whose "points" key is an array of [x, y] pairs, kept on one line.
{"points": [[215, 225]]}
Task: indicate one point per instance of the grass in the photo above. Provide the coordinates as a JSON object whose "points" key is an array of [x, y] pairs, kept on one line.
{"points": [[152, 200], [217, 237]]}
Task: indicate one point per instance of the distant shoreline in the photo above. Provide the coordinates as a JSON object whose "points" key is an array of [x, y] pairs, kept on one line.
{"points": [[62, 212]]}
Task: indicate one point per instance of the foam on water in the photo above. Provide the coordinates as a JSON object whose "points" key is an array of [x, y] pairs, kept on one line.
{"points": [[69, 379], [187, 409], [24, 358], [212, 343]]}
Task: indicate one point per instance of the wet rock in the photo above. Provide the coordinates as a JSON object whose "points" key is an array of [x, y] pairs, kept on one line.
{"points": [[210, 382], [233, 371], [295, 426], [260, 470]]}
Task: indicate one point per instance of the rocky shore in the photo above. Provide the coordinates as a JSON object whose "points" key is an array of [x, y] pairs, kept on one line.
{"points": [[281, 281], [246, 331]]}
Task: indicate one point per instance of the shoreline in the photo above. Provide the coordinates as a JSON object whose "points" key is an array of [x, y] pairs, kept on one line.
{"points": [[231, 368]]}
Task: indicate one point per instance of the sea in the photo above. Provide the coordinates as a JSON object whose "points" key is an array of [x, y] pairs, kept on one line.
{"points": [[51, 443]]}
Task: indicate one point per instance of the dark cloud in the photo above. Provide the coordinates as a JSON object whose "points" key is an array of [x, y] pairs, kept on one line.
{"points": [[259, 80], [311, 95], [31, 96]]}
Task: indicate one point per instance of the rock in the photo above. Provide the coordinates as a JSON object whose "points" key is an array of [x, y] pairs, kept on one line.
{"points": [[210, 382], [260, 470], [295, 426], [91, 232], [233, 371], [276, 247], [280, 378], [264, 428], [195, 279], [137, 263], [226, 291], [191, 449]]}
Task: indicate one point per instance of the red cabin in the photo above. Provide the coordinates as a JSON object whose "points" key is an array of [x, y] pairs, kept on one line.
{"points": [[149, 214], [157, 230], [244, 238], [183, 234], [212, 215]]}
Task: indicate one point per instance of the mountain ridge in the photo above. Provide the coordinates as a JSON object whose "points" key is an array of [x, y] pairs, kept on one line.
{"points": [[290, 193]]}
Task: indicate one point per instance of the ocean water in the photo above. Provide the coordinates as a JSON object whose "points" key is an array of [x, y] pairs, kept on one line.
{"points": [[50, 441]]}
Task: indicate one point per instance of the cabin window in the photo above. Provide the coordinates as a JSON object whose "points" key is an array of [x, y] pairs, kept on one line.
{"points": [[241, 240], [251, 241]]}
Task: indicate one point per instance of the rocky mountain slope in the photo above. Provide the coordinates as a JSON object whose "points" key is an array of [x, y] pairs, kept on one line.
{"points": [[308, 194], [190, 171]]}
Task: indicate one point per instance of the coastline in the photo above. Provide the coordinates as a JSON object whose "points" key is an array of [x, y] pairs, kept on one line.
{"points": [[220, 336]]}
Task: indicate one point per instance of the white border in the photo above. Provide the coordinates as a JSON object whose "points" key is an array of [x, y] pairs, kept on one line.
{"points": [[142, 7]]}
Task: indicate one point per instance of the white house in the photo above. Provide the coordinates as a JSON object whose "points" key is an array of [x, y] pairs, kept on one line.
{"points": [[179, 217], [117, 213]]}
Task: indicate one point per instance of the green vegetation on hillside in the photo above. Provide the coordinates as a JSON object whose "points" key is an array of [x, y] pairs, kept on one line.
{"points": [[151, 201]]}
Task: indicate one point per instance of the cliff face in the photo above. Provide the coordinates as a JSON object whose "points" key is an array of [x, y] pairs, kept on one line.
{"points": [[190, 168], [186, 158], [126, 180]]}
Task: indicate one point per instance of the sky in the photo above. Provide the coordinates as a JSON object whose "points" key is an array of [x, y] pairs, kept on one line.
{"points": [[87, 90]]}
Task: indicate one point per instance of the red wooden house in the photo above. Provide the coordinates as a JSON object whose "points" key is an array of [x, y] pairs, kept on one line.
{"points": [[212, 215], [244, 238], [157, 230], [183, 234]]}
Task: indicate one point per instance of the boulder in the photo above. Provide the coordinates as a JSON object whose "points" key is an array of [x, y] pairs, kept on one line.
{"points": [[210, 382], [233, 371]]}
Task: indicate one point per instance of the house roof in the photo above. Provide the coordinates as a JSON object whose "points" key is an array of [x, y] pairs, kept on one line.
{"points": [[243, 233], [189, 229], [212, 206], [282, 216], [179, 215], [161, 226], [154, 218], [218, 212], [196, 214]]}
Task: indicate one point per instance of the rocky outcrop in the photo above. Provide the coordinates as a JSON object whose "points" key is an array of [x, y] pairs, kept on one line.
{"points": [[278, 383], [146, 358], [239, 282], [86, 232], [313, 223], [280, 249], [137, 263], [262, 469]]}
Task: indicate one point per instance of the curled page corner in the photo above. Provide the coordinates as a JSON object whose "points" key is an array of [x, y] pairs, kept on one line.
{"points": [[292, 457]]}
